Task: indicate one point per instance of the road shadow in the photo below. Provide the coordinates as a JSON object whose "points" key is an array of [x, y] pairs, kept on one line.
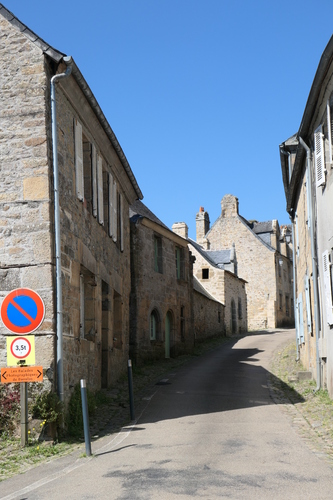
{"points": [[226, 379]]}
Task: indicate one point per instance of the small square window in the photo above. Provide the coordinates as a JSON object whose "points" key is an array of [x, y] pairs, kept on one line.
{"points": [[205, 274]]}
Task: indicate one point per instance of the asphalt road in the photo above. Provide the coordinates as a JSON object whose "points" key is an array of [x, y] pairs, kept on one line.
{"points": [[210, 431]]}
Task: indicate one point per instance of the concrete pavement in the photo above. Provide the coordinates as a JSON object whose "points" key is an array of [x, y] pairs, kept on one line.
{"points": [[209, 430]]}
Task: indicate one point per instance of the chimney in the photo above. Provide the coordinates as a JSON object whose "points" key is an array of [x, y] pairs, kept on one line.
{"points": [[202, 224], [181, 229], [229, 206]]}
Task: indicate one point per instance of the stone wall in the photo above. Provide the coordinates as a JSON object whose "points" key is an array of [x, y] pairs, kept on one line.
{"points": [[161, 292], [90, 258], [208, 317], [26, 250], [90, 254]]}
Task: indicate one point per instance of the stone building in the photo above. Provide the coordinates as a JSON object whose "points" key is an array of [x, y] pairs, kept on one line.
{"points": [[216, 272], [263, 258], [161, 315], [209, 314], [306, 162], [96, 188]]}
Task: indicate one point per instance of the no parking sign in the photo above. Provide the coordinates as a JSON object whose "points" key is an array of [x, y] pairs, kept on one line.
{"points": [[22, 311]]}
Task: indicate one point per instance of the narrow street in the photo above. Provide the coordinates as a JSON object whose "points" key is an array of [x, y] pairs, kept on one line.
{"points": [[210, 430]]}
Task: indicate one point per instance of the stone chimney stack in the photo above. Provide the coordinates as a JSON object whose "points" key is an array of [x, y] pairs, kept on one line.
{"points": [[229, 206], [275, 236], [202, 224], [181, 229]]}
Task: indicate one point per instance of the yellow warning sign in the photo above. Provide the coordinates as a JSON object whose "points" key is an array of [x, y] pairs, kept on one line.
{"points": [[21, 351]]}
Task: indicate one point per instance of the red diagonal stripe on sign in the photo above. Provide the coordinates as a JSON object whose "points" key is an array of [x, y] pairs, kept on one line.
{"points": [[22, 311]]}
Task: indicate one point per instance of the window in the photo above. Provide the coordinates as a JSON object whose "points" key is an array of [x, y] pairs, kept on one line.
{"points": [[158, 254], [205, 274], [106, 335], [100, 191], [153, 325], [280, 301], [79, 177], [87, 173], [287, 305], [240, 313], [319, 156], [327, 268], [87, 304], [117, 321], [182, 324], [120, 227], [179, 253], [233, 317]]}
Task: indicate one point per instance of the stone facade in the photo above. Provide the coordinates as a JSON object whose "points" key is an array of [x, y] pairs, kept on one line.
{"points": [[209, 318], [306, 162], [96, 187], [162, 289], [226, 287], [257, 257]]}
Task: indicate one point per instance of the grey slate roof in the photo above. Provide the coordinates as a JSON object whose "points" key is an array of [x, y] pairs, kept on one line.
{"points": [[57, 56], [139, 209], [217, 258], [197, 286], [263, 227]]}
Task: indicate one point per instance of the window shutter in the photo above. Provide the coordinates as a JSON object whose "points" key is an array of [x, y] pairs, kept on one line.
{"points": [[94, 179], [78, 160], [121, 222], [300, 317], [329, 130], [115, 203], [328, 287], [100, 190], [319, 156], [110, 205], [307, 301]]}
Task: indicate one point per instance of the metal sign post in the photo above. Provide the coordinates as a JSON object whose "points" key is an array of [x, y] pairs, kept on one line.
{"points": [[22, 312], [24, 413]]}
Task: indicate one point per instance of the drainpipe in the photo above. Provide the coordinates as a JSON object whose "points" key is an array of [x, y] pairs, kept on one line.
{"points": [[60, 369], [314, 260], [294, 288]]}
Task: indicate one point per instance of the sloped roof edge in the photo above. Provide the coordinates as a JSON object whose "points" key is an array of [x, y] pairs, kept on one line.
{"points": [[322, 69]]}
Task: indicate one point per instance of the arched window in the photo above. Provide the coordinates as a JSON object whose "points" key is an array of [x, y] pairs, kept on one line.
{"points": [[153, 327], [233, 317], [240, 314]]}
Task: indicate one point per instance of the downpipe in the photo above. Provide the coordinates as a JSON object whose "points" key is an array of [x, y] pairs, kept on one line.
{"points": [[59, 316]]}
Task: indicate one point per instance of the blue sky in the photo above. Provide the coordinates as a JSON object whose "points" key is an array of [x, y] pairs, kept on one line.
{"points": [[200, 93]]}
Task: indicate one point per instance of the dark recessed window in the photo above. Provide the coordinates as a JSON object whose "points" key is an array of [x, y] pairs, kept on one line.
{"points": [[205, 274]]}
